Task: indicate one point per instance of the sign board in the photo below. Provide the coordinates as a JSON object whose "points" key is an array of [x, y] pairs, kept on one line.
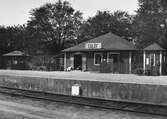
{"points": [[93, 46], [75, 90]]}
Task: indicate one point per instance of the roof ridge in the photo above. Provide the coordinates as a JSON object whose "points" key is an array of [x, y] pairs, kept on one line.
{"points": [[154, 46]]}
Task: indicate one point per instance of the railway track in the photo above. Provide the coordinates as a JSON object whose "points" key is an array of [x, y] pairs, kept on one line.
{"points": [[98, 103]]}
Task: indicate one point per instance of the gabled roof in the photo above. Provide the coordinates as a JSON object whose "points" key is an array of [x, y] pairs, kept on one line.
{"points": [[108, 41], [154, 47], [16, 53]]}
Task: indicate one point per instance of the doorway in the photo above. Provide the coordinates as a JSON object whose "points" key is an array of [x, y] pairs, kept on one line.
{"points": [[113, 61], [78, 62]]}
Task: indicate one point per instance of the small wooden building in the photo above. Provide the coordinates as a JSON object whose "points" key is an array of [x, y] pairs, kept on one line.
{"points": [[106, 53], [15, 60], [154, 59]]}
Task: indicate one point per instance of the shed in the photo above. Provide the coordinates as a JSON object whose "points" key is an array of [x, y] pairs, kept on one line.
{"points": [[15, 60], [153, 59]]}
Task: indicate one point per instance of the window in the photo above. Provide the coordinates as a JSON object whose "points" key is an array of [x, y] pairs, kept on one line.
{"points": [[97, 58], [15, 62], [113, 57]]}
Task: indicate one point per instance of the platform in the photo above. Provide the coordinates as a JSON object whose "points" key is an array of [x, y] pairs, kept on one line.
{"points": [[90, 76], [119, 87]]}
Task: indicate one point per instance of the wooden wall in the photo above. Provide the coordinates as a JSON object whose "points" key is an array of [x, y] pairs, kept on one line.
{"points": [[88, 61], [122, 66]]}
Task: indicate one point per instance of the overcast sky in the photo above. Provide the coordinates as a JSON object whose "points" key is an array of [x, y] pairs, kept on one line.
{"points": [[14, 12]]}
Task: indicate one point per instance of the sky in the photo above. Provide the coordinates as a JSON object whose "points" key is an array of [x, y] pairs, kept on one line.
{"points": [[14, 12]]}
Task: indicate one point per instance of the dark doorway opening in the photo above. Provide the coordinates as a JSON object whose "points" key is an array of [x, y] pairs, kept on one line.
{"points": [[77, 62], [113, 60]]}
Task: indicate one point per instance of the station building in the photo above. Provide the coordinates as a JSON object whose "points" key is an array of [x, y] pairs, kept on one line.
{"points": [[111, 53], [108, 53]]}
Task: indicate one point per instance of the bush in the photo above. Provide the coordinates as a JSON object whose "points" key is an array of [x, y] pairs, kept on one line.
{"points": [[139, 71]]}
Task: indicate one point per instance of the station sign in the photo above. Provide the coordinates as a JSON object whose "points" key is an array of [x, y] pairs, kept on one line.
{"points": [[93, 46]]}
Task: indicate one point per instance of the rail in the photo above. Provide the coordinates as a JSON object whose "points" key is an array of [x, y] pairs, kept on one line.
{"points": [[98, 103]]}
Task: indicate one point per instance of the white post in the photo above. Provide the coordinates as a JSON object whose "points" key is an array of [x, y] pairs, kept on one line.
{"points": [[65, 61], [160, 59], [130, 62], [144, 61], [83, 62], [154, 60], [71, 60]]}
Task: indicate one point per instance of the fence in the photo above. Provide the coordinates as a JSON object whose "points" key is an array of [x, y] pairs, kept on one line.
{"points": [[46, 63]]}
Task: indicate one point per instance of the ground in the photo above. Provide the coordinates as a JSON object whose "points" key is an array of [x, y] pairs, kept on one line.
{"points": [[91, 76], [24, 108]]}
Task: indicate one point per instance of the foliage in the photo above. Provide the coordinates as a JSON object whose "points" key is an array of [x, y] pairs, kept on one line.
{"points": [[53, 25], [103, 22], [150, 15], [12, 38]]}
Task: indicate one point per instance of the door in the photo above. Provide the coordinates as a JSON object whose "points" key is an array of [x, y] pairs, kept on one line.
{"points": [[78, 62], [155, 63], [113, 60]]}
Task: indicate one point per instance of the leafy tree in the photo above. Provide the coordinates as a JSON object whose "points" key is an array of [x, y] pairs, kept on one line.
{"points": [[103, 22], [3, 40], [150, 15], [163, 4], [12, 38], [54, 25]]}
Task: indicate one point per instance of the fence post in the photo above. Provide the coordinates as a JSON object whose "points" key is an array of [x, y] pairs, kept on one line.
{"points": [[144, 62], [160, 66], [65, 58], [130, 62]]}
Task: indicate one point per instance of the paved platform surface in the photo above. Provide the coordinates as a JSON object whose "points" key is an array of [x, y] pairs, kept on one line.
{"points": [[25, 108], [90, 76]]}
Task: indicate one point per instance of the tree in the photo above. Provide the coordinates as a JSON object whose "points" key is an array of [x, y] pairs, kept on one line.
{"points": [[3, 40], [103, 22], [12, 38], [150, 15], [164, 4], [53, 25]]}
